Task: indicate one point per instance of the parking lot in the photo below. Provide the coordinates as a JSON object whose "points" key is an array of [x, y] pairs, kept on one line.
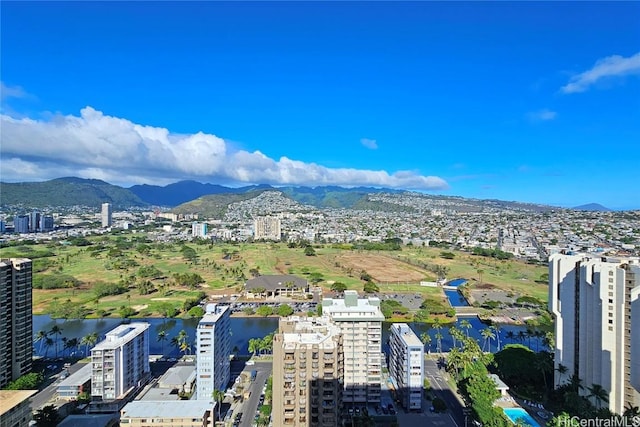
{"points": [[298, 306]]}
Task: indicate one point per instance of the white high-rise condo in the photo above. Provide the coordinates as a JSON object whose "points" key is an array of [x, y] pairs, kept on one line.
{"points": [[596, 303], [106, 215], [199, 229], [213, 364], [360, 321], [16, 330], [406, 365], [120, 362]]}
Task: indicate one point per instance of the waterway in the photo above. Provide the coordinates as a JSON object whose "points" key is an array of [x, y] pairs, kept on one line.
{"points": [[456, 299], [245, 328]]}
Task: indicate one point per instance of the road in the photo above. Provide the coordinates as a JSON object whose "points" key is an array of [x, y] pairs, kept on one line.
{"points": [[250, 405], [43, 397], [442, 390]]}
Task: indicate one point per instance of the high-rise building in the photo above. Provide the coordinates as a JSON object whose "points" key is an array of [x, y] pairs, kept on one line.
{"points": [[16, 330], [406, 365], [213, 344], [46, 223], [267, 228], [120, 362], [307, 372], [596, 303], [2, 226], [199, 229], [360, 321], [34, 221], [21, 224], [106, 215]]}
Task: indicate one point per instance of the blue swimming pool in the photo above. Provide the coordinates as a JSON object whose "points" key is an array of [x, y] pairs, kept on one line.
{"points": [[520, 415], [456, 282]]}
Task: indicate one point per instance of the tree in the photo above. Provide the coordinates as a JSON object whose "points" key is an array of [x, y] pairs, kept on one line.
{"points": [[218, 396], [309, 251], [162, 337], [562, 370], [264, 310], [480, 273], [28, 381], [426, 341], [466, 325], [254, 345], [47, 416], [284, 310], [40, 337], [370, 287], [488, 335], [598, 392], [196, 311], [338, 287], [55, 331]]}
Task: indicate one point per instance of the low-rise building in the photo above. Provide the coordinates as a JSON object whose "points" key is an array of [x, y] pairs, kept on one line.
{"points": [[76, 383], [14, 407], [179, 413], [274, 285]]}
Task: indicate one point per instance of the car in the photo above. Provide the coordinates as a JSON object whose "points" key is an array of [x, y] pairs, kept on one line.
{"points": [[357, 411], [250, 363]]}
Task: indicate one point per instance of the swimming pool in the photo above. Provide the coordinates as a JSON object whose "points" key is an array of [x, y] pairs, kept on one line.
{"points": [[520, 415]]}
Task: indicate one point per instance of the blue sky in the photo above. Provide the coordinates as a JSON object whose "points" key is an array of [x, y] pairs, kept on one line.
{"points": [[527, 101]]}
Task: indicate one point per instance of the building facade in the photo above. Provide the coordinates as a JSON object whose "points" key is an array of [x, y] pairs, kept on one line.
{"points": [[406, 365], [21, 224], [167, 413], [120, 362], [308, 370], [46, 223], [106, 215], [15, 410], [213, 344], [34, 221], [360, 321], [267, 228], [595, 301], [199, 229], [16, 328]]}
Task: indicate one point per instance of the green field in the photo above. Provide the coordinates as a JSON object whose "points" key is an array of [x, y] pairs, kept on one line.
{"points": [[117, 259]]}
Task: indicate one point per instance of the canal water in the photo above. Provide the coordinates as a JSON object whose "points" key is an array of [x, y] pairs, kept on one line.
{"points": [[245, 328]]}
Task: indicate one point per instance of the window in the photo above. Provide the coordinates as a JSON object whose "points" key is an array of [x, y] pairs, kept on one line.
{"points": [[611, 321]]}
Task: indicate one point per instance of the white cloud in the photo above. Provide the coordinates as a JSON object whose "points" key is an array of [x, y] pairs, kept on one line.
{"points": [[369, 143], [94, 145], [7, 92], [542, 115], [611, 66]]}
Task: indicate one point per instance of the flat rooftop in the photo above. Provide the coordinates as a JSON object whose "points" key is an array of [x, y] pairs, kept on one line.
{"points": [[78, 378], [121, 335], [167, 409], [9, 399], [352, 307], [213, 313], [407, 335]]}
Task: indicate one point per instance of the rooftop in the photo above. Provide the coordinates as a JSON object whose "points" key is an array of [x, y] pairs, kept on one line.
{"points": [[213, 313], [352, 307], [167, 409], [407, 335], [308, 330], [272, 282], [9, 399], [121, 335], [77, 378]]}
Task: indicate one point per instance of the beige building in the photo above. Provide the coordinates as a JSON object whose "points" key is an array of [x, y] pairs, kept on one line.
{"points": [[360, 321], [266, 228], [307, 372], [173, 413], [16, 330], [14, 408], [596, 303]]}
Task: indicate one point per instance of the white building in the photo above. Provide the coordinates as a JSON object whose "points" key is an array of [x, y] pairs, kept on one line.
{"points": [[120, 362], [267, 228], [213, 338], [199, 229], [360, 321], [105, 215], [596, 303], [406, 365]]}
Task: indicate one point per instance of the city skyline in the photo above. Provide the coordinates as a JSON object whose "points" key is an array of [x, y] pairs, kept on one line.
{"points": [[534, 102]]}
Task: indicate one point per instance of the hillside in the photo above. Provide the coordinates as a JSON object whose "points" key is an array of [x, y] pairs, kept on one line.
{"points": [[68, 191], [594, 207]]}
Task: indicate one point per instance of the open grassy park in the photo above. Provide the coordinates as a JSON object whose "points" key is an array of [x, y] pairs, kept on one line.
{"points": [[128, 273]]}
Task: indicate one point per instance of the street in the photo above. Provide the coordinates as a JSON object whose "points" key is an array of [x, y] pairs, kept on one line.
{"points": [[43, 397], [442, 390], [249, 406]]}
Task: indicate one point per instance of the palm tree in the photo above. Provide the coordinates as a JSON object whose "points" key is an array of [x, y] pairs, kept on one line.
{"points": [[48, 342], [496, 329], [439, 341], [218, 396], [511, 336], [426, 341], [480, 273], [71, 344], [488, 335], [598, 393], [521, 336], [40, 337], [56, 330], [254, 345], [89, 341], [162, 337], [64, 345], [631, 411], [562, 370], [175, 342], [466, 325], [575, 383]]}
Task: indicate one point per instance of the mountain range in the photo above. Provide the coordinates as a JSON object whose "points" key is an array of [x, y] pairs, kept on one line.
{"points": [[192, 196]]}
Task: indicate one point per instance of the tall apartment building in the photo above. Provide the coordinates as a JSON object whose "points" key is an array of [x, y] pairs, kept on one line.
{"points": [[46, 223], [16, 330], [213, 344], [199, 229], [34, 221], [21, 224], [406, 365], [308, 363], [596, 303], [120, 362], [105, 215], [267, 228], [360, 321]]}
